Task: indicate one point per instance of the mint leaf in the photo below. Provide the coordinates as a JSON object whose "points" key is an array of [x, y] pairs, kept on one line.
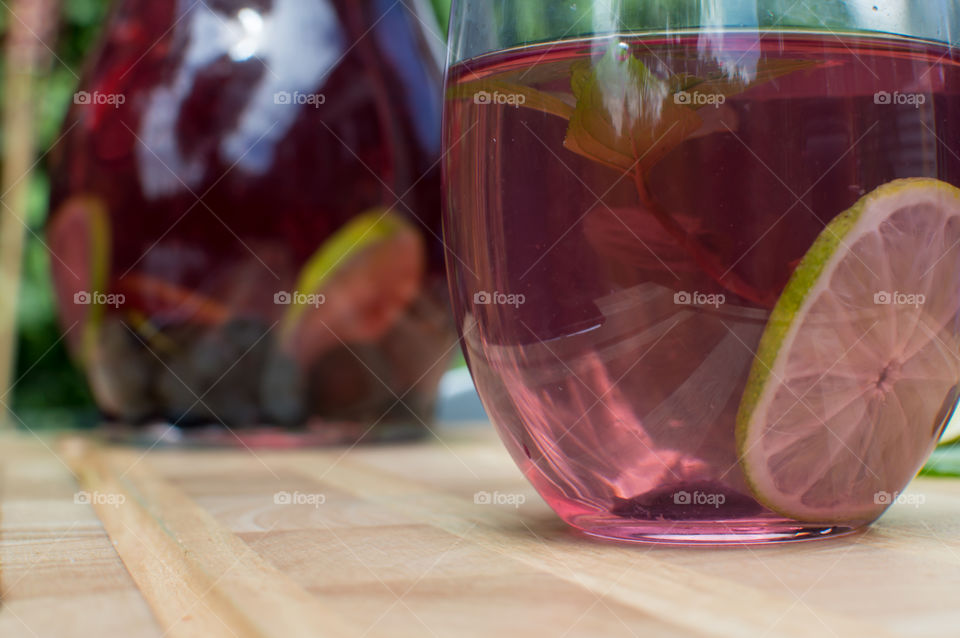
{"points": [[626, 116], [722, 83], [629, 118]]}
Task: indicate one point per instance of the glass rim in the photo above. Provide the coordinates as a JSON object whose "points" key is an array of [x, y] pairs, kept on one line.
{"points": [[686, 31], [478, 27]]}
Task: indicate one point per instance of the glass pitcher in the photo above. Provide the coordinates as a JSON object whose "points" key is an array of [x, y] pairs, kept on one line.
{"points": [[245, 220]]}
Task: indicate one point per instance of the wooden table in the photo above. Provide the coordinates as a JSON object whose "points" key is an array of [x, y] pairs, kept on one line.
{"points": [[387, 541]]}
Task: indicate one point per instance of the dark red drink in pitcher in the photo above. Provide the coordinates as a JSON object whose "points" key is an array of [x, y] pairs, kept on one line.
{"points": [[245, 220]]}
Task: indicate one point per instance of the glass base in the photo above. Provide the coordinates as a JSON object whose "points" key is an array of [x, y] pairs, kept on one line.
{"points": [[321, 434], [711, 533]]}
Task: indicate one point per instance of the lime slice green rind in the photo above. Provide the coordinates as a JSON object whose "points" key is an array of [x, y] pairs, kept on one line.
{"points": [[100, 240], [774, 470], [360, 233], [90, 214], [801, 283]]}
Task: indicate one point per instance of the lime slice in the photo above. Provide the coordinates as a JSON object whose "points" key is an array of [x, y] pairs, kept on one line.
{"points": [[857, 370], [359, 282], [79, 235]]}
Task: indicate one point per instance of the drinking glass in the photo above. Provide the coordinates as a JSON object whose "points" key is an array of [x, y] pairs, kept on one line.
{"points": [[245, 221], [703, 254]]}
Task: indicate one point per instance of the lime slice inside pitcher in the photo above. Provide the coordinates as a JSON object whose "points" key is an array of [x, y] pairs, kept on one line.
{"points": [[357, 284], [857, 371], [80, 237]]}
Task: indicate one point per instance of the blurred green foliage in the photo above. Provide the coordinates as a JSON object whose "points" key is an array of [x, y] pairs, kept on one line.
{"points": [[442, 8], [50, 388], [944, 462], [48, 381]]}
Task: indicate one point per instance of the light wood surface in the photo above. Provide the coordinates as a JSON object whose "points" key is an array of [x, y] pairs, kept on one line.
{"points": [[387, 541]]}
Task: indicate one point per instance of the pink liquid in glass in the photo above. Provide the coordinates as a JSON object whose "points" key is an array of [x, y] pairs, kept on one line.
{"points": [[616, 396]]}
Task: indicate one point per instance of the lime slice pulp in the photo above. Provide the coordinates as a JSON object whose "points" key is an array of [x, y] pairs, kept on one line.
{"points": [[857, 371], [361, 280]]}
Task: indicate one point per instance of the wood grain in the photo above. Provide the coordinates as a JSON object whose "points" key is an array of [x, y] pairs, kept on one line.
{"points": [[387, 541], [200, 579], [59, 573]]}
